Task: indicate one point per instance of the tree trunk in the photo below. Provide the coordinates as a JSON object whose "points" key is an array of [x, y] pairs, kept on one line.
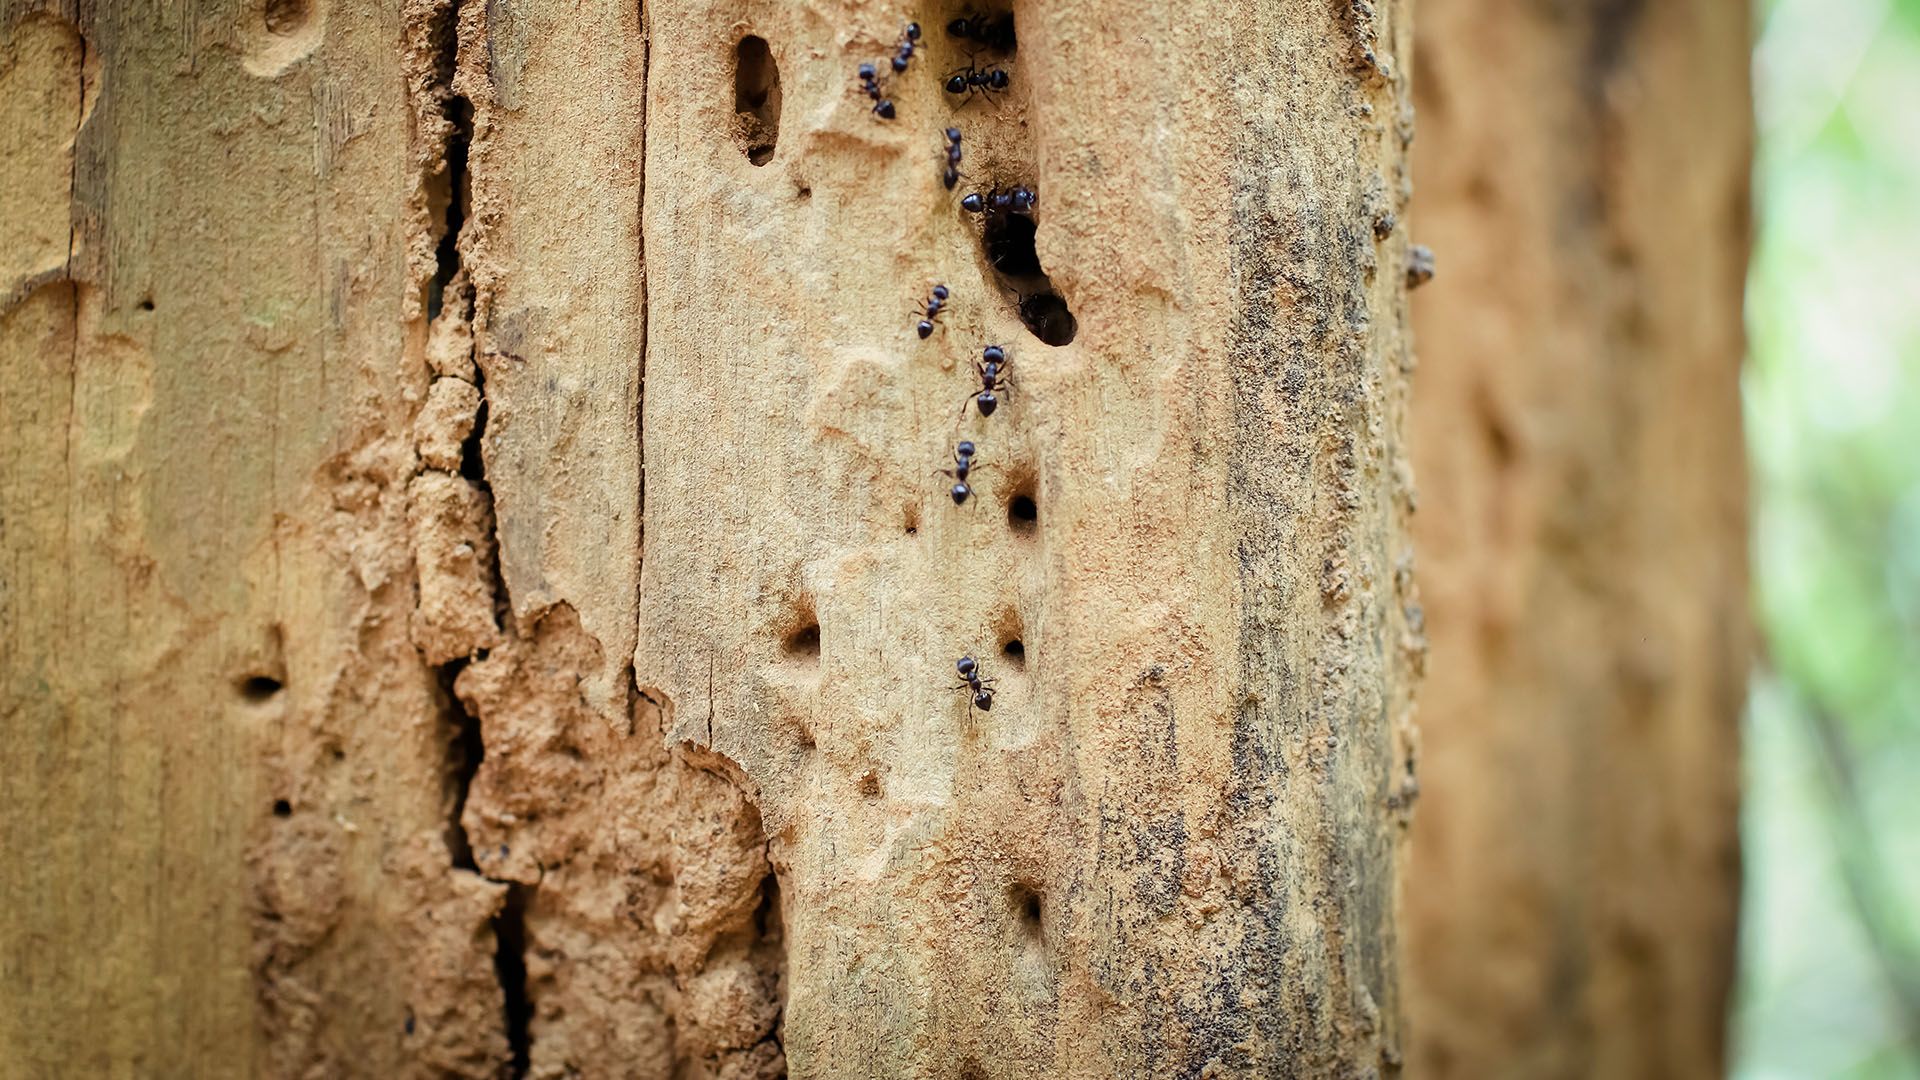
{"points": [[1583, 183], [371, 710]]}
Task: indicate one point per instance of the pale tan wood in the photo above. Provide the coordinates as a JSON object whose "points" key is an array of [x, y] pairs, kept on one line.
{"points": [[1583, 179], [1169, 847], [211, 357]]}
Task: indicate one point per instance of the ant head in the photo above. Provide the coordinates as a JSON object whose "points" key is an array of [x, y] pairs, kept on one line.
{"points": [[993, 354], [983, 700], [900, 62], [957, 28], [965, 449], [956, 84], [867, 73], [940, 292], [973, 203], [884, 110], [925, 329], [965, 666], [913, 31], [953, 135], [987, 402], [960, 493]]}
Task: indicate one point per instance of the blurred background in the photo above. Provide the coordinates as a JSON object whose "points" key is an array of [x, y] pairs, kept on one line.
{"points": [[1830, 960]]}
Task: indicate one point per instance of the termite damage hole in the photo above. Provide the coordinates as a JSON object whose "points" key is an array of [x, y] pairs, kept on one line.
{"points": [[259, 688], [1025, 901], [800, 639], [804, 643], [1023, 514], [1015, 651], [756, 99], [284, 17], [1008, 236], [282, 808]]}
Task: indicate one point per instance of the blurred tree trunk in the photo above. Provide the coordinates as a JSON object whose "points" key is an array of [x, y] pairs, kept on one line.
{"points": [[1582, 178], [353, 730]]}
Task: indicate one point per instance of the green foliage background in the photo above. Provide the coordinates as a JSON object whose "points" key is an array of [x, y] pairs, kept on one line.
{"points": [[1830, 964]]}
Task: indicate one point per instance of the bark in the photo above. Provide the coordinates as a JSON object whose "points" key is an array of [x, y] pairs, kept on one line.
{"points": [[372, 711], [1583, 184]]}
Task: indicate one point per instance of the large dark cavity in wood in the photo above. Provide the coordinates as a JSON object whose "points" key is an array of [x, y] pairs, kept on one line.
{"points": [[756, 98]]}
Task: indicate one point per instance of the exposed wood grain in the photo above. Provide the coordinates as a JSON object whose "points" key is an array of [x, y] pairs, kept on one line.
{"points": [[1583, 183], [1168, 849]]}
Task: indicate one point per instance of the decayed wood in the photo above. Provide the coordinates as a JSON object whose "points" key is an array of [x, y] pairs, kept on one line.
{"points": [[1169, 847], [228, 772], [323, 356], [1571, 887]]}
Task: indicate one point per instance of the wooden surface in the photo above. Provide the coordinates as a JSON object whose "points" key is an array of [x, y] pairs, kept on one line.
{"points": [[1583, 179], [477, 598], [1168, 848], [209, 377]]}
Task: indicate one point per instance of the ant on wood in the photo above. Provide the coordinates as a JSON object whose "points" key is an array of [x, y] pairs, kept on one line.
{"points": [[933, 307], [962, 465], [970, 680], [951, 174], [992, 369], [905, 52], [970, 80], [870, 84], [1019, 199]]}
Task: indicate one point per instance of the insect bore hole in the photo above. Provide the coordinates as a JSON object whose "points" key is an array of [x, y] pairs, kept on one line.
{"points": [[1025, 901], [282, 808], [259, 688], [756, 99], [284, 17], [804, 644], [1016, 653], [1023, 516]]}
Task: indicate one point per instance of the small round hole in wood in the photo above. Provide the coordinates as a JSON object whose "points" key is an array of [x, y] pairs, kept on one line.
{"points": [[803, 644], [1015, 651], [1023, 514], [260, 688]]}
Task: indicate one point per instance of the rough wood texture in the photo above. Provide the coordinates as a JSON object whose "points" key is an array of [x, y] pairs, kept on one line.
{"points": [[1169, 847], [1583, 183], [228, 778], [356, 726]]}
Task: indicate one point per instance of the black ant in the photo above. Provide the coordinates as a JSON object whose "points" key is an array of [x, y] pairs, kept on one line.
{"points": [[933, 306], [905, 52], [951, 175], [1015, 200], [992, 369], [970, 680], [962, 466], [991, 31], [970, 80], [870, 83]]}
